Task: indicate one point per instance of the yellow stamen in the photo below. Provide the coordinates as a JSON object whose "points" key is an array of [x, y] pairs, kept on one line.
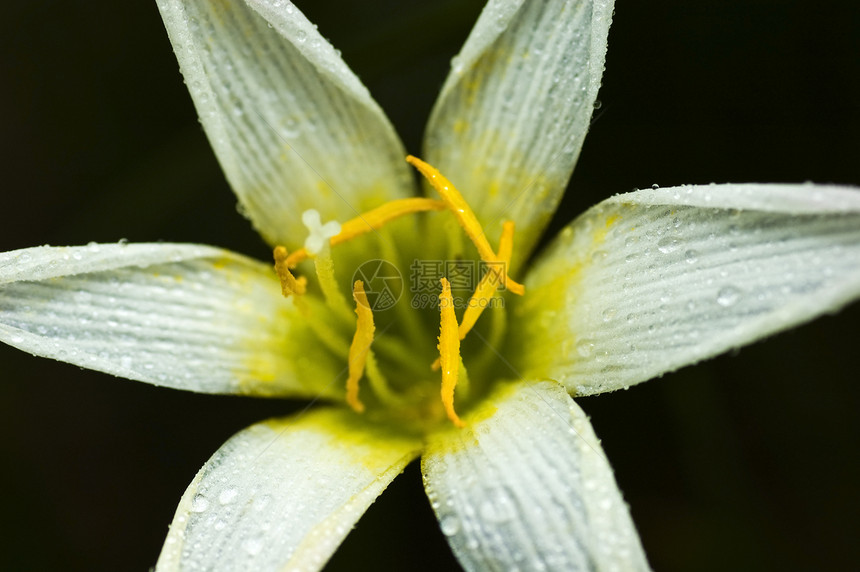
{"points": [[289, 283], [488, 285], [373, 219], [490, 282], [449, 352], [467, 219], [324, 266], [360, 347]]}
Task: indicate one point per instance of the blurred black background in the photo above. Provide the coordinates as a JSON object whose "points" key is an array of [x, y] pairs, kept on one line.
{"points": [[748, 461]]}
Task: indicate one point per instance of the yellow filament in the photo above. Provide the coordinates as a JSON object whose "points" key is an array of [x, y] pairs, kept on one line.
{"points": [[490, 282], [289, 283], [360, 347], [467, 219], [488, 285], [373, 219], [324, 266], [449, 352]]}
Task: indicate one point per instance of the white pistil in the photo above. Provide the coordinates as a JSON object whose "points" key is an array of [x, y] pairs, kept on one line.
{"points": [[317, 244], [319, 234]]}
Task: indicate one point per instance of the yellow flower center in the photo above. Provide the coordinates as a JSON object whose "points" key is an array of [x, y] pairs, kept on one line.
{"points": [[362, 362]]}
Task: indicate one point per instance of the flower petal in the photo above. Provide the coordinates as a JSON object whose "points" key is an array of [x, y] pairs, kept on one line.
{"points": [[651, 281], [509, 124], [283, 494], [527, 486], [292, 126], [183, 316]]}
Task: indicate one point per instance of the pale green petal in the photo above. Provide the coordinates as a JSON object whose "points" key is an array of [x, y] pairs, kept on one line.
{"points": [[292, 126], [283, 494], [183, 316], [513, 113], [526, 486], [651, 281]]}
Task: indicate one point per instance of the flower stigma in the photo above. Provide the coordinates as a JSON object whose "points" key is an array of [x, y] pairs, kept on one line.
{"points": [[389, 356]]}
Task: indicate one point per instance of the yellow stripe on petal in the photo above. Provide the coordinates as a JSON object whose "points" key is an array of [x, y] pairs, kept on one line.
{"points": [[449, 352], [360, 347]]}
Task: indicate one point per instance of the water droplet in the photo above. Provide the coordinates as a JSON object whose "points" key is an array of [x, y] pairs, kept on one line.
{"points": [[261, 502], [457, 64], [668, 244], [228, 495], [728, 296], [498, 507], [301, 36], [584, 347], [199, 504], [691, 256], [599, 256], [253, 546], [449, 525], [609, 313]]}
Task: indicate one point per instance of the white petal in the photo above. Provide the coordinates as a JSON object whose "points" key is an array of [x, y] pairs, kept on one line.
{"points": [[292, 126], [529, 488], [283, 494], [509, 124], [651, 281], [184, 316]]}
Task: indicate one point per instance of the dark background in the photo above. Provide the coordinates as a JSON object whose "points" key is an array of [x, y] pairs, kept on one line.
{"points": [[746, 462]]}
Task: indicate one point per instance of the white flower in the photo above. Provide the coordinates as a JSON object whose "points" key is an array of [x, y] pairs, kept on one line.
{"points": [[641, 284]]}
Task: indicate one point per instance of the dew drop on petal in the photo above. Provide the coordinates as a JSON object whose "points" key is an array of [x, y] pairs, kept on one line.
{"points": [[499, 507], [199, 504], [228, 495], [449, 525], [584, 347], [668, 244], [728, 296], [253, 546]]}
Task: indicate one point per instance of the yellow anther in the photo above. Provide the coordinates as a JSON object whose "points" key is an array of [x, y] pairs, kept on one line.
{"points": [[488, 285], [289, 283], [360, 346], [373, 219], [467, 219], [449, 352]]}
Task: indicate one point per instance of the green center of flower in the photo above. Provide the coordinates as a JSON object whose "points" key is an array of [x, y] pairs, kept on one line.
{"points": [[363, 362]]}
